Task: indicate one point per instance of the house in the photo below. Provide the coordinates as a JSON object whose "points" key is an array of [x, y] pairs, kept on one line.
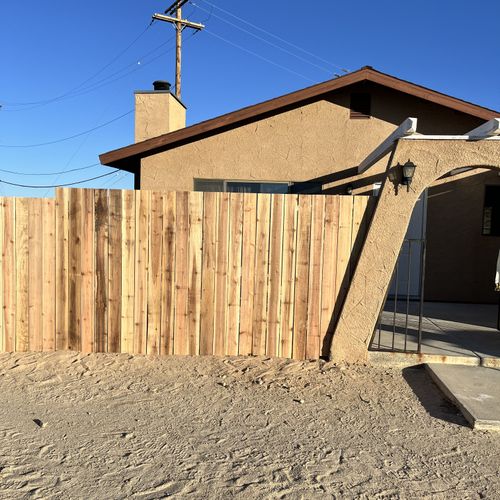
{"points": [[312, 141]]}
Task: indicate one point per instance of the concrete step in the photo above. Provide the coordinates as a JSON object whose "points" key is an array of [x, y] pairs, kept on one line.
{"points": [[475, 390]]}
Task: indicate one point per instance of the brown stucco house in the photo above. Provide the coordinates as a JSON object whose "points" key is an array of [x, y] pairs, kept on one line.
{"points": [[313, 141]]}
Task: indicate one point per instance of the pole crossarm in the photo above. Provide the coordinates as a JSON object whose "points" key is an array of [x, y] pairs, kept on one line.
{"points": [[407, 128], [174, 20]]}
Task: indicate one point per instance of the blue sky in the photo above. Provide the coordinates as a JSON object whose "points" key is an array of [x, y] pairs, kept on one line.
{"points": [[79, 63]]}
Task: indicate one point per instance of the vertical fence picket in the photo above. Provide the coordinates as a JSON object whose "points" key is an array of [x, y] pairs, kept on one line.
{"points": [[128, 271], [274, 277], [208, 273], [101, 211], [234, 273], [168, 274], [302, 278], [114, 270], [49, 275], [9, 274], [154, 275], [22, 274], [247, 273]]}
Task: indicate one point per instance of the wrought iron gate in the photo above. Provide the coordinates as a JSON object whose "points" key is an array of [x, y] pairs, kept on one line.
{"points": [[399, 327]]}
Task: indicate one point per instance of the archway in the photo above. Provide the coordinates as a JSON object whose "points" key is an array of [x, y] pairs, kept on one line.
{"points": [[434, 158]]}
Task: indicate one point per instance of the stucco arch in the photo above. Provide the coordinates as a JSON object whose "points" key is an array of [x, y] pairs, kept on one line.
{"points": [[434, 158]]}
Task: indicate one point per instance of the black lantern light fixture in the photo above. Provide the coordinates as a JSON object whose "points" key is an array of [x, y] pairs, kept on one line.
{"points": [[408, 172]]}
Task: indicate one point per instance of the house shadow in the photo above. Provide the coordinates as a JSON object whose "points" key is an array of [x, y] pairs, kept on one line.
{"points": [[431, 398]]}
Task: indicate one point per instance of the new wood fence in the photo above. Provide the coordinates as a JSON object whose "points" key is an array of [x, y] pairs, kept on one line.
{"points": [[175, 273]]}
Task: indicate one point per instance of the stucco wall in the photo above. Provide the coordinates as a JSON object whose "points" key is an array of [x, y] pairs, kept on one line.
{"points": [[315, 140], [460, 260], [388, 227]]}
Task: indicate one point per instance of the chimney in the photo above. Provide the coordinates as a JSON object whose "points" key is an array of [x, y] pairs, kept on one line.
{"points": [[157, 112]]}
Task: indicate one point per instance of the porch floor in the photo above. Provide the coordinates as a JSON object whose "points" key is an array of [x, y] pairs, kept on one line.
{"points": [[447, 329]]}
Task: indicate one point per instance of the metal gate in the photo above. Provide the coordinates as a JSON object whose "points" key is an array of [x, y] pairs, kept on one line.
{"points": [[399, 327]]}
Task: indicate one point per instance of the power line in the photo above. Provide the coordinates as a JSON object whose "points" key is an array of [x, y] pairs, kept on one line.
{"points": [[259, 56], [264, 40], [66, 138], [106, 66], [36, 174], [106, 81], [35, 186], [275, 36]]}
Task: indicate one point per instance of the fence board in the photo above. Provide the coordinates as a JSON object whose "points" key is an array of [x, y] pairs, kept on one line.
{"points": [[154, 274], [101, 269], [315, 268], [168, 276], [208, 272], [331, 223], [35, 274], [234, 273], [62, 268], [261, 275], [302, 277], [274, 276], [114, 271], [22, 274], [247, 273], [128, 272], [176, 273], [220, 341], [287, 297], [9, 274], [2, 319], [181, 339], [49, 275], [88, 272]]}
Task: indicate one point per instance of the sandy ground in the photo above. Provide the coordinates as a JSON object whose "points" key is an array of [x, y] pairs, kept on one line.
{"points": [[113, 426]]}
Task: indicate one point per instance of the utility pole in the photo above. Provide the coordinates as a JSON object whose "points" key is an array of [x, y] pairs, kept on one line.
{"points": [[179, 24]]}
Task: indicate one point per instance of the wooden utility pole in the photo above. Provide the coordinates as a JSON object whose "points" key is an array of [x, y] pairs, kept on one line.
{"points": [[179, 24]]}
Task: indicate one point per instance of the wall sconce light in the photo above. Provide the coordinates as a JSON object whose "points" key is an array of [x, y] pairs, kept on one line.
{"points": [[408, 172], [348, 189]]}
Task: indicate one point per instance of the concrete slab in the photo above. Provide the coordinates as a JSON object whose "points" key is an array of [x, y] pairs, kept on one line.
{"points": [[475, 390], [461, 330]]}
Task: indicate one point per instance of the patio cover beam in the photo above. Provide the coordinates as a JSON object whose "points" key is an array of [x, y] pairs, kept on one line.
{"points": [[407, 128]]}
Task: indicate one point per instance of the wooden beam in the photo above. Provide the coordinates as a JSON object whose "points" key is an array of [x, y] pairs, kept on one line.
{"points": [[489, 129], [174, 20], [408, 127]]}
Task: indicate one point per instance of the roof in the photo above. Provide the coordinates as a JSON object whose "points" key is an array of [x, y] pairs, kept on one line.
{"points": [[128, 157]]}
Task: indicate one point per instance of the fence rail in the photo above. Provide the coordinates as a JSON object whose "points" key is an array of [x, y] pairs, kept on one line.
{"points": [[175, 272]]}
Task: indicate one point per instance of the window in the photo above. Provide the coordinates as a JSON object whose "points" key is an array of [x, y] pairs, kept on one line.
{"points": [[360, 105], [491, 211], [219, 185]]}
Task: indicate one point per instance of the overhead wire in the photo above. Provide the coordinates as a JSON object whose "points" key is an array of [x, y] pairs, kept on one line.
{"points": [[345, 70], [258, 55], [106, 66], [67, 138], [36, 174], [37, 186], [289, 52]]}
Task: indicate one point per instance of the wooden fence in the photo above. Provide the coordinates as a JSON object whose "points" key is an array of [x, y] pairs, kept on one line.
{"points": [[175, 273]]}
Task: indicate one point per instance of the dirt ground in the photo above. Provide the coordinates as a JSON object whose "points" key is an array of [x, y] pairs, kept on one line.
{"points": [[114, 426]]}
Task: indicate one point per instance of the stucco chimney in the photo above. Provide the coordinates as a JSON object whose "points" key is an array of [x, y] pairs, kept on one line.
{"points": [[157, 112]]}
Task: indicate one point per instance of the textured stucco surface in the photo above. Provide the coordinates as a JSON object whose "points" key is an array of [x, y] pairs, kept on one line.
{"points": [[387, 230], [311, 141], [460, 260], [157, 113]]}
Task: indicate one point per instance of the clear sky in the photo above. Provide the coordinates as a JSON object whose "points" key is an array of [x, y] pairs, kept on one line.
{"points": [[67, 67]]}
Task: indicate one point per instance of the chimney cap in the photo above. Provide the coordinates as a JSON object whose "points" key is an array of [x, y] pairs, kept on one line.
{"points": [[161, 85]]}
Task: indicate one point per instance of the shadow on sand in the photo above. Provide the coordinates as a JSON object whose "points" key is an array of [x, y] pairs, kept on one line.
{"points": [[430, 397]]}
